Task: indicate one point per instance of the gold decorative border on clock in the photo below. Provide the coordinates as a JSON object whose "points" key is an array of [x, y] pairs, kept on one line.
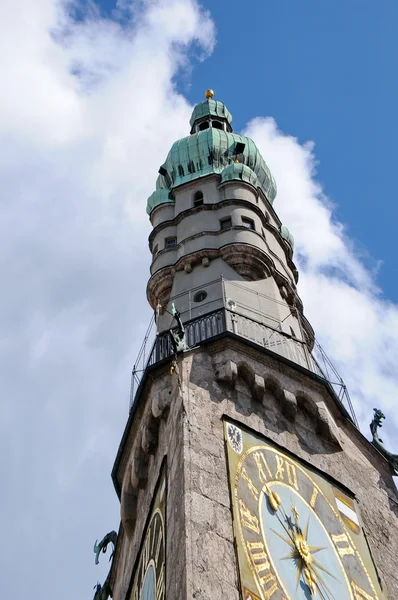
{"points": [[249, 570], [152, 551]]}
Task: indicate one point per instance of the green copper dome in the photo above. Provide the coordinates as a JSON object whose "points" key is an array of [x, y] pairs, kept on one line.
{"points": [[285, 233], [239, 171], [212, 151], [158, 197], [213, 108]]}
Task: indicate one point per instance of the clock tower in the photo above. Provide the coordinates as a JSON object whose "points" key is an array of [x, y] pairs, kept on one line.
{"points": [[241, 473]]}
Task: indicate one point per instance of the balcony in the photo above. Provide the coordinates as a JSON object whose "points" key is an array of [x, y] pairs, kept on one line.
{"points": [[226, 321]]}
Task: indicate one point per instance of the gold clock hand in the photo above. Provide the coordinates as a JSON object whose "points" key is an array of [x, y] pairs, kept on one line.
{"points": [[276, 503], [273, 497], [301, 551]]}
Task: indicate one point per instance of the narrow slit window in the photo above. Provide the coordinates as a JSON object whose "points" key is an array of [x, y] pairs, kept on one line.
{"points": [[170, 242], [155, 250], [226, 223], [198, 199], [249, 223]]}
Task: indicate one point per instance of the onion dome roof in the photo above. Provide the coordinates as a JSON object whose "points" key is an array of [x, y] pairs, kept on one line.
{"points": [[210, 151], [285, 233], [158, 197], [213, 108], [237, 170]]}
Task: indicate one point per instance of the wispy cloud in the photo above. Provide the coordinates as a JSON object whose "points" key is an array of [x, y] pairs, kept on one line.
{"points": [[88, 111]]}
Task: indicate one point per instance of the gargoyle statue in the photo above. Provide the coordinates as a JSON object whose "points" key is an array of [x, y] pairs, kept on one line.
{"points": [[378, 442], [103, 592], [177, 335]]}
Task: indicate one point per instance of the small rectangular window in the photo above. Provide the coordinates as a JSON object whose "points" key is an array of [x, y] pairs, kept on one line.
{"points": [[170, 242], [226, 223], [246, 222], [198, 199]]}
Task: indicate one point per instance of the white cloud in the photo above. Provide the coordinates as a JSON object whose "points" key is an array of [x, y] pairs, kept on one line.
{"points": [[357, 327], [88, 111]]}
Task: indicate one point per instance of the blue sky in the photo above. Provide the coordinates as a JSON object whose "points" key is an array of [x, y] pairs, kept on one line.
{"points": [[89, 109], [323, 70]]}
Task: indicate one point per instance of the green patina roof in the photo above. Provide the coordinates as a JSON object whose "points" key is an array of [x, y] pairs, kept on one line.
{"points": [[158, 197], [285, 233], [212, 151], [210, 107], [239, 171]]}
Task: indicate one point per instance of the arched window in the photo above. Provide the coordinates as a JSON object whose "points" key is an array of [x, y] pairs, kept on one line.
{"points": [[198, 199], [217, 125], [203, 126]]}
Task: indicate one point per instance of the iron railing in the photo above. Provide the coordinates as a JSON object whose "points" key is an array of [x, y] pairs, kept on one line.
{"points": [[157, 348]]}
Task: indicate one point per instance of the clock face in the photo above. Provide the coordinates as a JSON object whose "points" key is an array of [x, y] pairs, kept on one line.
{"points": [[149, 575], [298, 536]]}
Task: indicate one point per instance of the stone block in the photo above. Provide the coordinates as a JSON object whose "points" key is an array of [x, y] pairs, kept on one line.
{"points": [[289, 405], [227, 372]]}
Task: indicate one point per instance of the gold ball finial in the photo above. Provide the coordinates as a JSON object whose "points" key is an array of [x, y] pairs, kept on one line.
{"points": [[209, 94]]}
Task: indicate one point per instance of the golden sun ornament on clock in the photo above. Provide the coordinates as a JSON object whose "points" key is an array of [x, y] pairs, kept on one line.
{"points": [[292, 541]]}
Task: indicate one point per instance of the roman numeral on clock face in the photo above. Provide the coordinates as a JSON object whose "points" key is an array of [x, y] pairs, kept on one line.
{"points": [[160, 585], [285, 470], [360, 594], [264, 472], [146, 553], [250, 484], [262, 567], [159, 545], [247, 519], [314, 496], [343, 545]]}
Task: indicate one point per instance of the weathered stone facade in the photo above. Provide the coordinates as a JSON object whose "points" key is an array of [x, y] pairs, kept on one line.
{"points": [[179, 416], [222, 268]]}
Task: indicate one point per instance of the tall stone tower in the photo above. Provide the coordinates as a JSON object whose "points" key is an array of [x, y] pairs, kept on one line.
{"points": [[241, 473]]}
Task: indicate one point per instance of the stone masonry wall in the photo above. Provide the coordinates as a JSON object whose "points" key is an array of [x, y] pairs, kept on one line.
{"points": [[156, 433], [180, 417], [258, 393]]}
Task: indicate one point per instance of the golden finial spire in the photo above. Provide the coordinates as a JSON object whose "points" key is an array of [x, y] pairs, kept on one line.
{"points": [[209, 94]]}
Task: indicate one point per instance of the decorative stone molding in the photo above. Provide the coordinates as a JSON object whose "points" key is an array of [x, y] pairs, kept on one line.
{"points": [[323, 421], [161, 402], [150, 437], [258, 387], [139, 469], [128, 504], [248, 261], [289, 405], [159, 287], [227, 372], [145, 445], [326, 425]]}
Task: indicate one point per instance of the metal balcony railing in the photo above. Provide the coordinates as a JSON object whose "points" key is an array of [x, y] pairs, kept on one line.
{"points": [[157, 348]]}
